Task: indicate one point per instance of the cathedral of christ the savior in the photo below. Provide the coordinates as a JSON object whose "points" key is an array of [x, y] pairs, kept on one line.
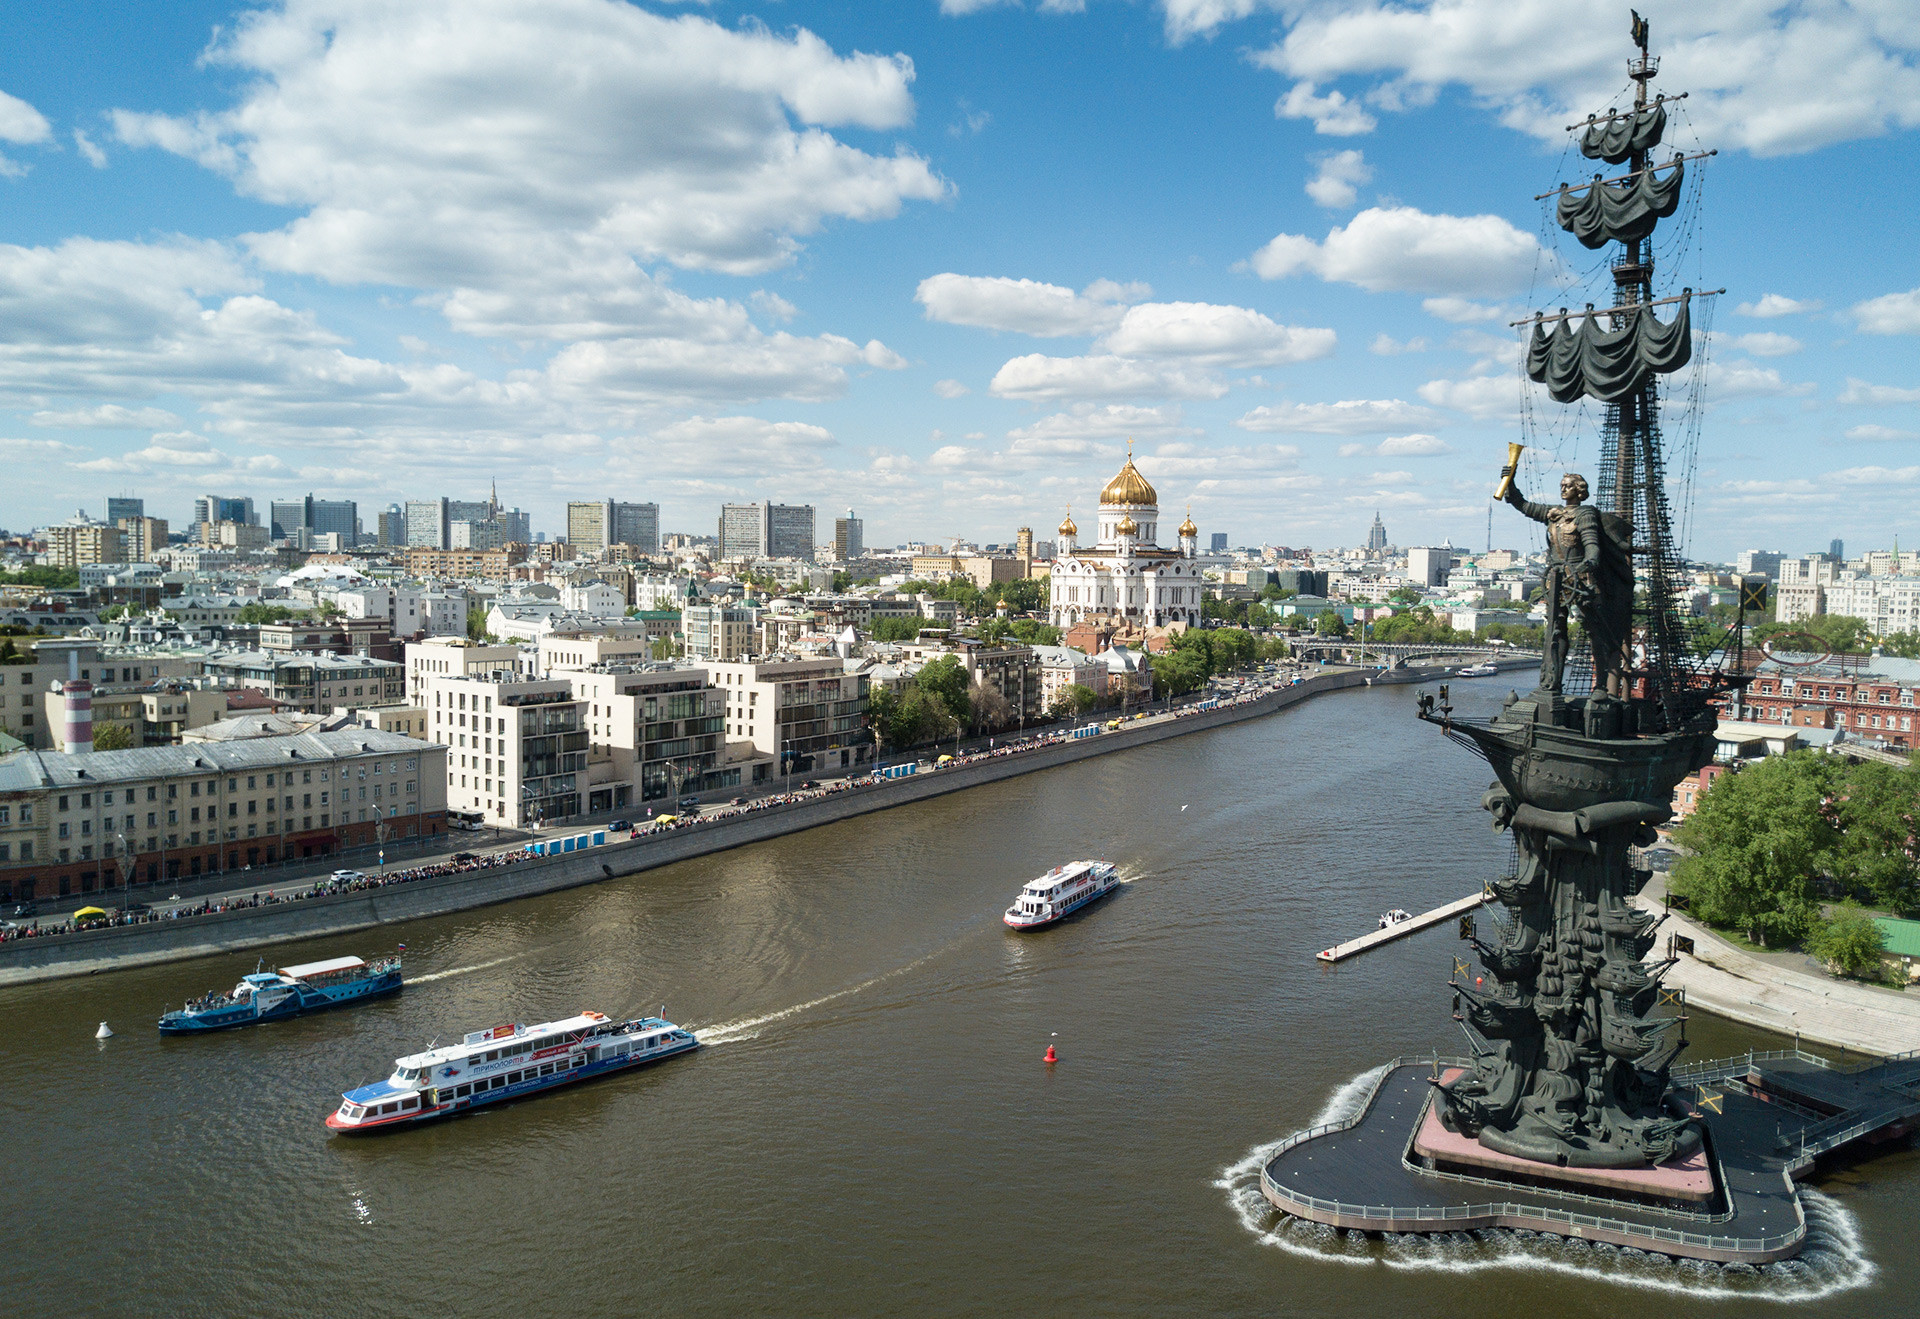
{"points": [[1125, 577]]}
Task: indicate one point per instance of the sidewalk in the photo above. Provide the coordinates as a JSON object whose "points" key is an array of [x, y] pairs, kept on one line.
{"points": [[1731, 982]]}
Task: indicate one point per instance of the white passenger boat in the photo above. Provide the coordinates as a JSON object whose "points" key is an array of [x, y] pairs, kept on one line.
{"points": [[1478, 671], [506, 1062], [1061, 892]]}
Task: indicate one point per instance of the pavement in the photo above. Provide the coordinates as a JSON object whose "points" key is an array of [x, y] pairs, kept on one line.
{"points": [[1760, 990]]}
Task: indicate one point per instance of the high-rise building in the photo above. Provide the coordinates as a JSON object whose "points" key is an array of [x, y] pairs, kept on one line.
{"points": [[124, 506], [790, 531], [1219, 542], [1429, 566], [476, 534], [339, 517], [80, 541], [849, 537], [516, 526], [142, 536], [468, 510], [1837, 550], [592, 525], [218, 508], [1764, 563], [393, 526], [427, 523], [766, 531], [1377, 534], [743, 531]]}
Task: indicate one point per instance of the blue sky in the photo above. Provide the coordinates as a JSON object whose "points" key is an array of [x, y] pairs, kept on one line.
{"points": [[933, 261]]}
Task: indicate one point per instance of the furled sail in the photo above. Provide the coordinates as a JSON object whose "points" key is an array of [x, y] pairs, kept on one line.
{"points": [[1608, 364], [1604, 213], [1613, 140]]}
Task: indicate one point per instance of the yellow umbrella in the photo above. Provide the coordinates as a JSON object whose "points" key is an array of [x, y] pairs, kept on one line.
{"points": [[85, 912]]}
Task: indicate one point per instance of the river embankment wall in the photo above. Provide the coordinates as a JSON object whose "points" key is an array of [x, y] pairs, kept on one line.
{"points": [[120, 947]]}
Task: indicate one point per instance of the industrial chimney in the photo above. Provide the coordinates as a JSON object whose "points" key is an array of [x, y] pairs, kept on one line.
{"points": [[79, 693]]}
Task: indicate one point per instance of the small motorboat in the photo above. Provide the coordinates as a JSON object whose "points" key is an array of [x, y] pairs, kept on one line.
{"points": [[1389, 919]]}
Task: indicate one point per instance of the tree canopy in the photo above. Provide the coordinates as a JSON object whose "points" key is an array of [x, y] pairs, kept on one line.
{"points": [[1760, 838]]}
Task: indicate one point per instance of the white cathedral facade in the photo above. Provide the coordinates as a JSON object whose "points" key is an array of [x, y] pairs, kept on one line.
{"points": [[1125, 577]]}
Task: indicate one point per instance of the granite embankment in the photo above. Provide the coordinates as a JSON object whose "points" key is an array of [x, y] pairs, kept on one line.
{"points": [[90, 952]]}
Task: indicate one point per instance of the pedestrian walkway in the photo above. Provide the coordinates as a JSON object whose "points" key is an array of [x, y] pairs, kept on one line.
{"points": [[1731, 982]]}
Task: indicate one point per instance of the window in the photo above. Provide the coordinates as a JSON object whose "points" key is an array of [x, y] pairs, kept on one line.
{"points": [[63, 803]]}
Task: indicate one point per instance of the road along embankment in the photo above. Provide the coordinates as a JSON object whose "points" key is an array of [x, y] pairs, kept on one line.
{"points": [[119, 947]]}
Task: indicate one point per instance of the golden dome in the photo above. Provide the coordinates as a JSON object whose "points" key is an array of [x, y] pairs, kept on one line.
{"points": [[1067, 528], [1126, 526], [1187, 528], [1129, 488]]}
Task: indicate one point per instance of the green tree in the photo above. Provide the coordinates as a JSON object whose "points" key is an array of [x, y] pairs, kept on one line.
{"points": [[1849, 942], [1273, 648], [51, 579], [662, 648], [1028, 595], [1878, 809], [1841, 634], [897, 629], [1074, 698], [258, 612], [1759, 839], [476, 622], [1180, 670], [112, 737], [1901, 645], [1330, 624], [945, 679]]}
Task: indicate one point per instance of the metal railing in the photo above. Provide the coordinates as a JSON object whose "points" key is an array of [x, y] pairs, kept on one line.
{"points": [[1395, 1214]]}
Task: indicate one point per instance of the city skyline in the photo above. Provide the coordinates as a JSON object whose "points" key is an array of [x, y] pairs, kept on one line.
{"points": [[947, 274]]}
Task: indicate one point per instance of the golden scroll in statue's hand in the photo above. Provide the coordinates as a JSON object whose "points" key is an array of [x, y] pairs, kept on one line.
{"points": [[1506, 473]]}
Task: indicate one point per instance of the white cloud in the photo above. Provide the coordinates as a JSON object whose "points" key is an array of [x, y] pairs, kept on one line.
{"points": [[1765, 345], [1892, 313], [89, 149], [108, 416], [1076, 430], [1773, 305], [1489, 398], [958, 7], [1333, 114], [1730, 380], [20, 123], [448, 144], [1347, 417], [1462, 311], [650, 371], [772, 305], [1025, 306], [1385, 345], [1039, 377], [184, 453], [1880, 433], [950, 389], [1874, 476], [1339, 178], [1213, 334], [1406, 250], [1859, 391], [1771, 79], [1413, 446], [689, 446]]}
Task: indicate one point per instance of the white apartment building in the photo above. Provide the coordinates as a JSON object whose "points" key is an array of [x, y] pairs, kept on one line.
{"points": [[442, 657], [559, 651], [516, 747], [597, 599], [655, 733], [810, 715], [1886, 604], [719, 631]]}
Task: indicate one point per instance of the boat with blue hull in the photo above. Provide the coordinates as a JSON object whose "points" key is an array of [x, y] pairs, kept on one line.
{"points": [[287, 992], [506, 1062]]}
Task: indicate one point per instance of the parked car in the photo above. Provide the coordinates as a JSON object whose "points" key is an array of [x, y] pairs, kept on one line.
{"points": [[807, 785], [689, 804], [464, 856], [620, 826], [346, 876], [736, 801], [136, 909]]}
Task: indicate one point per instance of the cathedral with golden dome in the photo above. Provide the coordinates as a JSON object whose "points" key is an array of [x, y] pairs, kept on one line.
{"points": [[1125, 576]]}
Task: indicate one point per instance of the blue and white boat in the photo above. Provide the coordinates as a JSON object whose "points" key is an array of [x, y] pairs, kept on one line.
{"points": [[507, 1062], [271, 995], [1061, 892]]}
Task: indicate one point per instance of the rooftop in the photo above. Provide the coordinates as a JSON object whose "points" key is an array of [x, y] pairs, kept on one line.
{"points": [[27, 771]]}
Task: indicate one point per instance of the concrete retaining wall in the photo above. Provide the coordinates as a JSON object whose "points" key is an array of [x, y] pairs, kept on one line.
{"points": [[27, 960]]}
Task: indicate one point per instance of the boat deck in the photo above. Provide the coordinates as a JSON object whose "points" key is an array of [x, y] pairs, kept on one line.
{"points": [[1342, 951]]}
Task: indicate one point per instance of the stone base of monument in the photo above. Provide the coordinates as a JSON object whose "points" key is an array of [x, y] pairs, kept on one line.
{"points": [[1393, 1167]]}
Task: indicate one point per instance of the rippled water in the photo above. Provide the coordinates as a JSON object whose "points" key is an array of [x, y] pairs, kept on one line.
{"points": [[872, 1130]]}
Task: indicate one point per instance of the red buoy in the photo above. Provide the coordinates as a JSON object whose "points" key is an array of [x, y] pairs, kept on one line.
{"points": [[1051, 1057]]}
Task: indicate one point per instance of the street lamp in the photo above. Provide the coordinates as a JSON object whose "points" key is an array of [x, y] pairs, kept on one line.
{"points": [[126, 868]]}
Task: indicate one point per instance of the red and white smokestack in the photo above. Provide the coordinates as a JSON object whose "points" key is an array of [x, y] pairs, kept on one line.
{"points": [[79, 694]]}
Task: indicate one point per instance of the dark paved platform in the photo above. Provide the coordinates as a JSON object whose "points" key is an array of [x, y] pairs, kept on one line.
{"points": [[1357, 1174]]}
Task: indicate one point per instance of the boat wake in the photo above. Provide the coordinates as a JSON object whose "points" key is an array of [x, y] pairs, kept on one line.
{"points": [[1833, 1260], [464, 970], [748, 1028]]}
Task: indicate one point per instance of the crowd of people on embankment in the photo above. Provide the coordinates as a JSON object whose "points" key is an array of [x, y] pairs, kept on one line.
{"points": [[351, 881]]}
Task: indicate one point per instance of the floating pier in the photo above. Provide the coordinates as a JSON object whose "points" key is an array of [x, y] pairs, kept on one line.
{"points": [[1341, 951]]}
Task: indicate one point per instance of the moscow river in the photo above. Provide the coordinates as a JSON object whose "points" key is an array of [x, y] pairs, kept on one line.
{"points": [[871, 1130]]}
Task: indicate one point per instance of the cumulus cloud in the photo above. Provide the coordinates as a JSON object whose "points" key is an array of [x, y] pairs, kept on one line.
{"points": [[1078, 429], [1877, 433], [89, 149], [691, 444], [473, 143], [1769, 79], [1333, 114], [950, 389], [1401, 249], [1892, 313], [1025, 306], [20, 123], [1413, 446], [1462, 311], [1358, 416], [1860, 391], [1765, 345], [1340, 175], [1731, 380], [1874, 476], [184, 452], [1774, 305], [1102, 375], [1385, 345], [107, 416], [1213, 334], [1488, 398]]}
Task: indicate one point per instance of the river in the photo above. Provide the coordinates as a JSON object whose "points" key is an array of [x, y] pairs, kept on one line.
{"points": [[871, 1130]]}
